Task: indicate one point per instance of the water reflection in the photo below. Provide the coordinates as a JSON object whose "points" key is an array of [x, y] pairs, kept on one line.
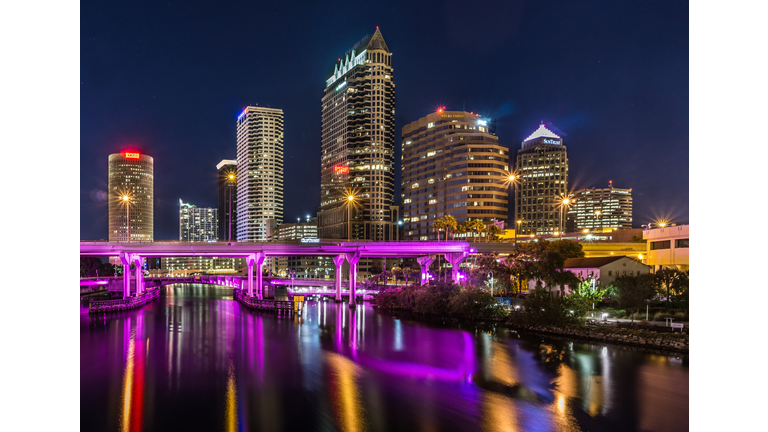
{"points": [[196, 360]]}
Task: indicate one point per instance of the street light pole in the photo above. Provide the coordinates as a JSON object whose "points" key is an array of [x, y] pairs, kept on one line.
{"points": [[350, 199], [491, 273], [231, 177], [127, 201]]}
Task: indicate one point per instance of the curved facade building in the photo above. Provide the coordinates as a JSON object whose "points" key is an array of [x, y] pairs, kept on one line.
{"points": [[453, 165], [131, 174]]}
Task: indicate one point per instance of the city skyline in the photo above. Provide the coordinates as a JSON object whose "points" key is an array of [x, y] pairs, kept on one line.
{"points": [[600, 128]]}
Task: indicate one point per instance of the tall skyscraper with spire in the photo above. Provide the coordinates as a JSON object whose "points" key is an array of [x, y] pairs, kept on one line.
{"points": [[357, 145], [542, 164]]}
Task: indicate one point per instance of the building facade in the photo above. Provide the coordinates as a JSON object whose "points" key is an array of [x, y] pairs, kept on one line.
{"points": [[303, 267], [130, 203], [542, 167], [667, 247], [227, 171], [198, 224], [452, 164], [357, 145], [601, 210], [259, 171]]}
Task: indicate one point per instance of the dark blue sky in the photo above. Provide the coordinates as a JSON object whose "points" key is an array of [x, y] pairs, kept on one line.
{"points": [[169, 79]]}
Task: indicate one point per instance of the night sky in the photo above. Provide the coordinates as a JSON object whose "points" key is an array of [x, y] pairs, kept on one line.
{"points": [[169, 79]]}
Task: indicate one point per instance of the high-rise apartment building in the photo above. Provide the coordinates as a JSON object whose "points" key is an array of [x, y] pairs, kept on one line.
{"points": [[357, 145], [542, 166], [130, 184], [259, 171], [197, 224], [452, 164], [601, 209], [227, 170]]}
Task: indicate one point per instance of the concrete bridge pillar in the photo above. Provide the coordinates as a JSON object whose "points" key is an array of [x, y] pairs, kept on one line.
{"points": [[137, 261], [455, 259], [256, 259], [352, 259], [424, 262], [125, 259], [259, 274], [250, 260], [339, 261]]}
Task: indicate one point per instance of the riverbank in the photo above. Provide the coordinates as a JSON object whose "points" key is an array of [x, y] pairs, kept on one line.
{"points": [[639, 338]]}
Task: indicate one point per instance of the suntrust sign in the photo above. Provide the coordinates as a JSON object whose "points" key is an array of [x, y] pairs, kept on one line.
{"points": [[550, 141]]}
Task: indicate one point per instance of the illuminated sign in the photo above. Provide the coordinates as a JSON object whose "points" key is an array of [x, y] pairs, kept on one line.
{"points": [[482, 122], [242, 113], [341, 86], [132, 156], [340, 169], [310, 240], [551, 141]]}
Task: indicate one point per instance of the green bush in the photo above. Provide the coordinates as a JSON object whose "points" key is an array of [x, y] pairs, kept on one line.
{"points": [[441, 299], [473, 303]]}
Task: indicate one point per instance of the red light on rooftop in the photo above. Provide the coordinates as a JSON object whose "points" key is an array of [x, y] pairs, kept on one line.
{"points": [[132, 155]]}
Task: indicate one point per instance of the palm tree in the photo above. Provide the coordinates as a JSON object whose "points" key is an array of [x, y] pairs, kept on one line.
{"points": [[438, 225], [450, 225]]}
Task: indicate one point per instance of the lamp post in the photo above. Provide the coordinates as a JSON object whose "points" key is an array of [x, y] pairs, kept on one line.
{"points": [[127, 201], [230, 180], [350, 200], [513, 182], [563, 204], [491, 275], [597, 215], [519, 224]]}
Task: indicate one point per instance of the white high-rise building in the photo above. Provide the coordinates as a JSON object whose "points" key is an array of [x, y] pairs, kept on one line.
{"points": [[198, 224], [259, 172]]}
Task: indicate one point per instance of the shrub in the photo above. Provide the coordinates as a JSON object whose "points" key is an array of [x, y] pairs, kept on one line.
{"points": [[475, 303]]}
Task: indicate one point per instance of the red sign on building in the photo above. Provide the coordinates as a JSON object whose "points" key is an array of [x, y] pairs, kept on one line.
{"points": [[340, 169], [132, 155]]}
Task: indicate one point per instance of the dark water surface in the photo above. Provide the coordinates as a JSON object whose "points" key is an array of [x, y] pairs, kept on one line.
{"points": [[196, 360]]}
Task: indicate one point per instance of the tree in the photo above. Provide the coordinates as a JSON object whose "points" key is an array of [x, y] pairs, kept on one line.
{"points": [[475, 227], [460, 229], [89, 266], [408, 273], [567, 248], [493, 233], [666, 278], [438, 225], [397, 273], [450, 225], [633, 291]]}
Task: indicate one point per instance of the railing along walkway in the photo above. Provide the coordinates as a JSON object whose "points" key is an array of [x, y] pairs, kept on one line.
{"points": [[104, 306], [277, 306]]}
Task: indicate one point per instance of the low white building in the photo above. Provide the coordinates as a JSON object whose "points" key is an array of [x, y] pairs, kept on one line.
{"points": [[667, 247], [602, 270]]}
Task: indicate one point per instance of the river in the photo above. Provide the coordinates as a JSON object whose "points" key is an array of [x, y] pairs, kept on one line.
{"points": [[196, 360]]}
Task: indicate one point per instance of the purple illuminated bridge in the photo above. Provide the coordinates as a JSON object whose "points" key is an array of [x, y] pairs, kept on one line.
{"points": [[255, 253]]}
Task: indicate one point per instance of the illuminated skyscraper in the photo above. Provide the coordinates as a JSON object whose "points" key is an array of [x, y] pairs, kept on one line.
{"points": [[452, 165], [130, 185], [601, 209], [259, 171], [197, 224], [357, 145], [542, 164], [227, 199]]}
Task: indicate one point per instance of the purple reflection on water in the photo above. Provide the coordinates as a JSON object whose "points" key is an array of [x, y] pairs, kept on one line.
{"points": [[200, 361]]}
